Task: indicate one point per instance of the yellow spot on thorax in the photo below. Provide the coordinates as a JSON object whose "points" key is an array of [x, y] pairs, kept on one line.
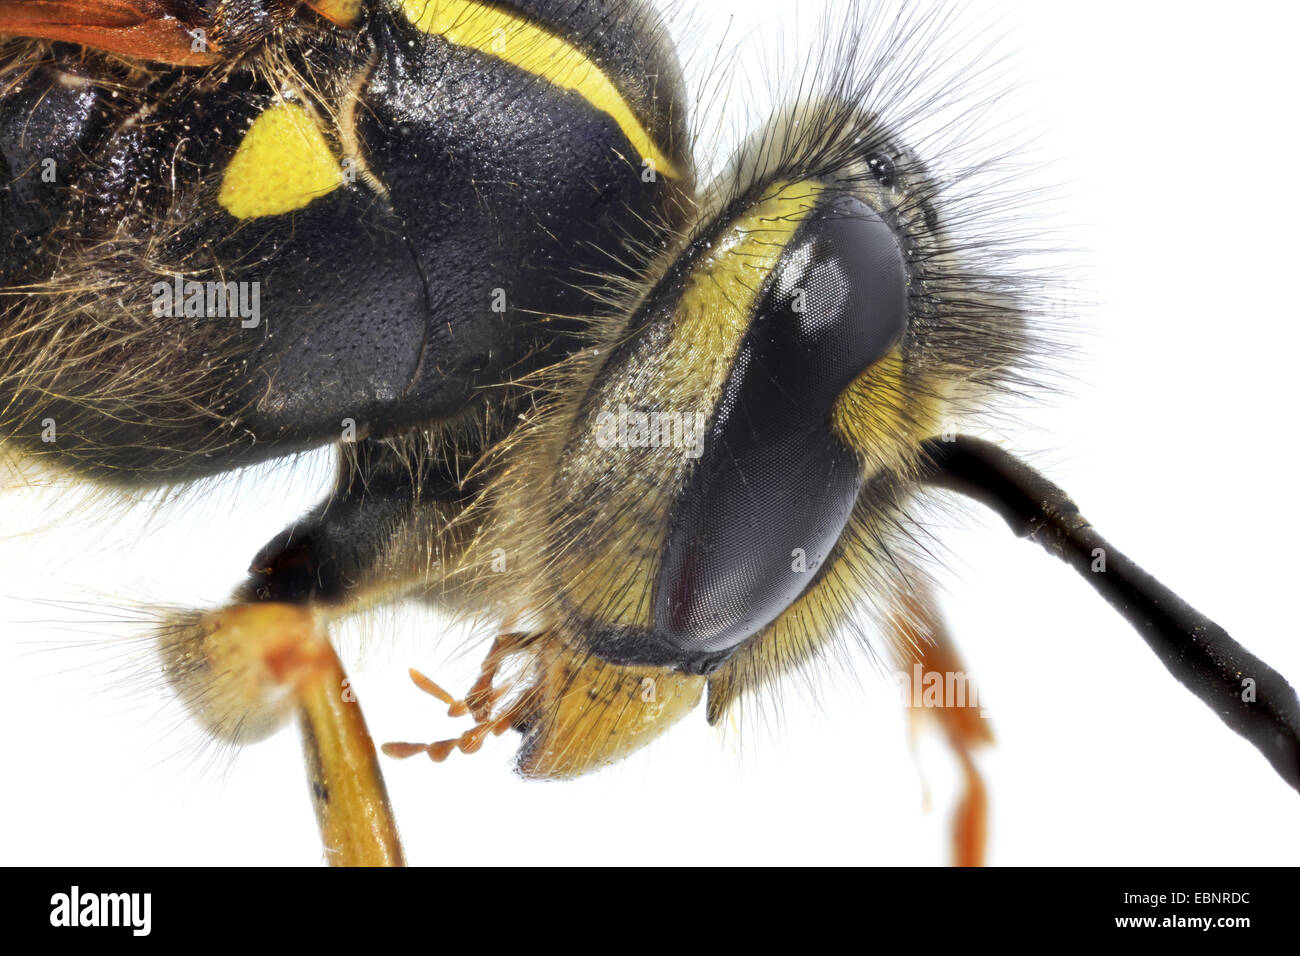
{"points": [[532, 48], [282, 164]]}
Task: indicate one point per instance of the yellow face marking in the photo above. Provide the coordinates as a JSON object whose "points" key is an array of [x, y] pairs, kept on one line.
{"points": [[884, 413], [282, 164], [592, 713], [717, 305], [532, 48], [866, 415]]}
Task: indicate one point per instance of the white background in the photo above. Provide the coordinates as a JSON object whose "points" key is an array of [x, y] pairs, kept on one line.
{"points": [[1172, 129]]}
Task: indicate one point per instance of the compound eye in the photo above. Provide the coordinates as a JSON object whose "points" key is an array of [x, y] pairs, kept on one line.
{"points": [[774, 488]]}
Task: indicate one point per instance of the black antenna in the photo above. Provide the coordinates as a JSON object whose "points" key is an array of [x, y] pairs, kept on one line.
{"points": [[1199, 653]]}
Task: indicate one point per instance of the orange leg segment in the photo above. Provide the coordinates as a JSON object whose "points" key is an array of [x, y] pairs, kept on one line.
{"points": [[919, 628]]}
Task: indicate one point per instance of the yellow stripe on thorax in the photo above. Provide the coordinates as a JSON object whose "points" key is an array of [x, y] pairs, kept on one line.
{"points": [[532, 48], [282, 164]]}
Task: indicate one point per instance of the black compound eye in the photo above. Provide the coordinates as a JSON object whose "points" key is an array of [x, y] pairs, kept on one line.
{"points": [[882, 167], [775, 486]]}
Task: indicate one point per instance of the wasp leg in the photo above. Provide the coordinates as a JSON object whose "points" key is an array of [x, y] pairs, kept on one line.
{"points": [[927, 655], [388, 529], [347, 786], [244, 670]]}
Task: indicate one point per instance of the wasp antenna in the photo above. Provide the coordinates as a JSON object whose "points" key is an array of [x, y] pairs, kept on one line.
{"points": [[1195, 650]]}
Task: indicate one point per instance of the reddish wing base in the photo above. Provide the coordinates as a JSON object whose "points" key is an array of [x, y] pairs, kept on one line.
{"points": [[145, 29], [154, 29]]}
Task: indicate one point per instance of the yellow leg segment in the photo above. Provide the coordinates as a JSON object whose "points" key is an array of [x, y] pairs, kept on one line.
{"points": [[245, 670], [347, 786]]}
